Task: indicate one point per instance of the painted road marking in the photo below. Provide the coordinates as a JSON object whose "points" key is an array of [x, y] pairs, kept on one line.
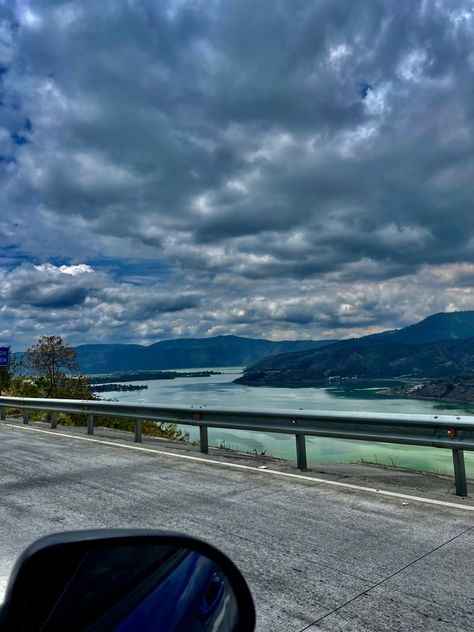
{"points": [[239, 466]]}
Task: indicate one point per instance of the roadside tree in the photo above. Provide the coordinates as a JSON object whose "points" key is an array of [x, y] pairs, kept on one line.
{"points": [[49, 359]]}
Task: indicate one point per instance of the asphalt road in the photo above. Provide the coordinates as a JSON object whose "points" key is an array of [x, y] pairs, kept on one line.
{"points": [[316, 556]]}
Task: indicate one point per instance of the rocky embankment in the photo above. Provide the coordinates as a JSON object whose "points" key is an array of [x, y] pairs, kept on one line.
{"points": [[443, 390]]}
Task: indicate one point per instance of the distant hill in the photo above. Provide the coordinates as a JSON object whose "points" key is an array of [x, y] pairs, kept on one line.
{"points": [[441, 345], [441, 326], [184, 353]]}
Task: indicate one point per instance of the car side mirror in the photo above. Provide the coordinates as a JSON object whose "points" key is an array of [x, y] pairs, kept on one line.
{"points": [[126, 580]]}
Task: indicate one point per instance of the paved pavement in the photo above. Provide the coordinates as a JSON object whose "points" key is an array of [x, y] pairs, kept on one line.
{"points": [[316, 556]]}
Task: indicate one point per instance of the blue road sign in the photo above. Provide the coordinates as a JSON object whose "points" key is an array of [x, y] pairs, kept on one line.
{"points": [[4, 356]]}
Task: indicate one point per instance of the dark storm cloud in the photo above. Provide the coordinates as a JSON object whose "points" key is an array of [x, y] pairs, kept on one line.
{"points": [[47, 286], [291, 160], [144, 303], [48, 296]]}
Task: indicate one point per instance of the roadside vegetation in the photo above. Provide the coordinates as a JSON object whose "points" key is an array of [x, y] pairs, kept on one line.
{"points": [[49, 369]]}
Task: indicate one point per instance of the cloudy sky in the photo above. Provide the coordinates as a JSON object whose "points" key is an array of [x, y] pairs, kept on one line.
{"points": [[280, 169]]}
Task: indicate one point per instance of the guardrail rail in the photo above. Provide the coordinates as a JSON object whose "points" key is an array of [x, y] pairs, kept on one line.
{"points": [[440, 431]]}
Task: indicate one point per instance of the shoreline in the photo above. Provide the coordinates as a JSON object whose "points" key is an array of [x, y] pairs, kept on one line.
{"points": [[453, 392]]}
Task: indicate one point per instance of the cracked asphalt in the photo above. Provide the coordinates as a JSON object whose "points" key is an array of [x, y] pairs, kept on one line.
{"points": [[316, 557]]}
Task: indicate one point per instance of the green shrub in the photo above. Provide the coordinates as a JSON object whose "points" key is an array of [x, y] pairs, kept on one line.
{"points": [[165, 430]]}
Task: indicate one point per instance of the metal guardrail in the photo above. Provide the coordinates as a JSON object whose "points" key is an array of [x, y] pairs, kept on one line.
{"points": [[439, 431]]}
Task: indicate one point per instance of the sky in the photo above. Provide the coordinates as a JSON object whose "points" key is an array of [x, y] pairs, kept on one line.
{"points": [[294, 169]]}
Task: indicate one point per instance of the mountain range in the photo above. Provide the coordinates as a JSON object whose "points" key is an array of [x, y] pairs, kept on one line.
{"points": [[184, 353], [441, 345]]}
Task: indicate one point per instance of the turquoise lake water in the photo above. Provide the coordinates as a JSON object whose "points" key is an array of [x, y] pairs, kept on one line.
{"points": [[219, 390]]}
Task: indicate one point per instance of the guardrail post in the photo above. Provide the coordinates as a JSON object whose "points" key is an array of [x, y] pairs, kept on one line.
{"points": [[90, 424], [54, 420], [25, 416], [138, 430], [301, 462], [2, 413], [459, 472], [203, 439]]}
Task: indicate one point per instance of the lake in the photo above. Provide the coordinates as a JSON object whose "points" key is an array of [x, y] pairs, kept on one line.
{"points": [[219, 390]]}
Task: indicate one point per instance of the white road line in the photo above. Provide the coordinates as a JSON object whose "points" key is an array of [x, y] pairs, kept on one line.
{"points": [[239, 466]]}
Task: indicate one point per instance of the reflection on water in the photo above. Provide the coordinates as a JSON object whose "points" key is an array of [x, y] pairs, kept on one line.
{"points": [[219, 390]]}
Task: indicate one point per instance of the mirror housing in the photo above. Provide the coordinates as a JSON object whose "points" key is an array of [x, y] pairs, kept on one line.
{"points": [[126, 580]]}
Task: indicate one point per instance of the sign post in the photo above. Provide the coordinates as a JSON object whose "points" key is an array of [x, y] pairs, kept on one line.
{"points": [[4, 362], [4, 356]]}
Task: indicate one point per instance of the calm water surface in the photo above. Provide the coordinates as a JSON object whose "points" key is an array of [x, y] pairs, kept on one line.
{"points": [[219, 390]]}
